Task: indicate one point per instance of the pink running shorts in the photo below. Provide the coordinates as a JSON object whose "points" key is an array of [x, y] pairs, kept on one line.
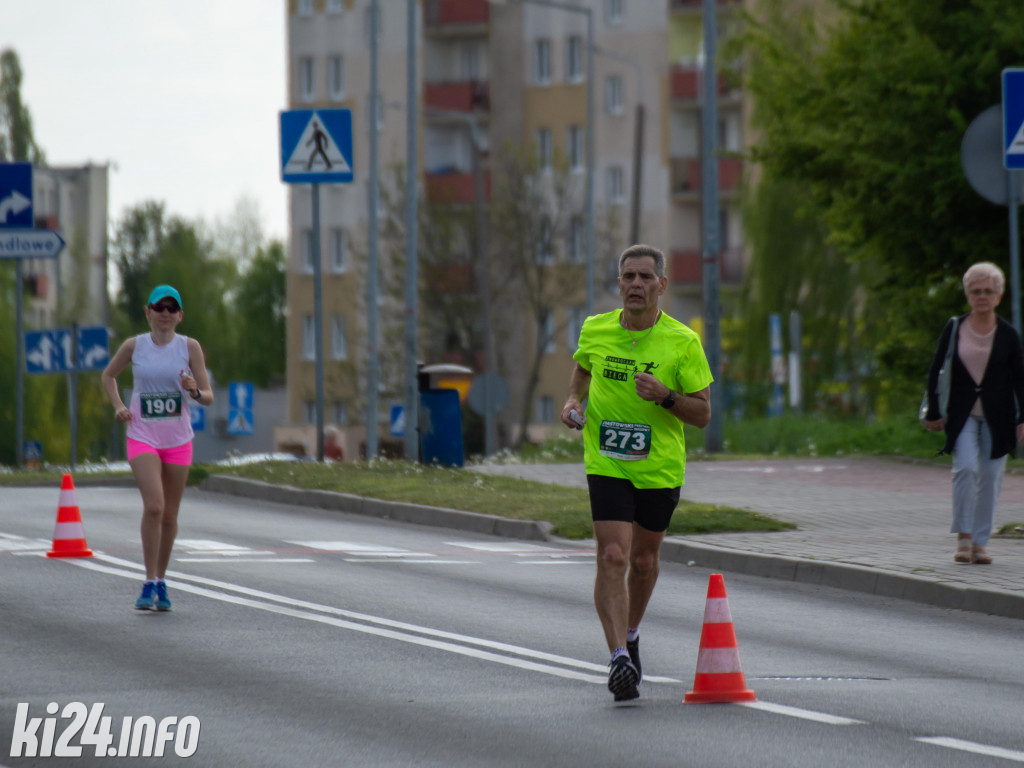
{"points": [[180, 454]]}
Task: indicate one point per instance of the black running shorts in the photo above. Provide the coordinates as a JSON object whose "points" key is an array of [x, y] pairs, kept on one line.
{"points": [[614, 498]]}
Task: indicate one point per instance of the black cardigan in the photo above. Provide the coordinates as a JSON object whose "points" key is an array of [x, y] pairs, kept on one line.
{"points": [[1001, 390]]}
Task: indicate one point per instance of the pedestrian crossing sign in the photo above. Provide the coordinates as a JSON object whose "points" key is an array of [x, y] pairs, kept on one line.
{"points": [[316, 146], [1013, 119]]}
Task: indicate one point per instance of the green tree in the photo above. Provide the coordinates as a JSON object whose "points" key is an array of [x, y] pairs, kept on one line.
{"points": [[260, 304], [16, 139], [866, 114]]}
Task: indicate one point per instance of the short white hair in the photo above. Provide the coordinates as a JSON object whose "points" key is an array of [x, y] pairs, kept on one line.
{"points": [[983, 270]]}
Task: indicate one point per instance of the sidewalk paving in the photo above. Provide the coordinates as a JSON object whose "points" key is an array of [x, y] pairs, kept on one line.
{"points": [[868, 524]]}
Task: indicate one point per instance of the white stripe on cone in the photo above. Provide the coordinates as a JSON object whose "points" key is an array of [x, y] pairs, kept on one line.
{"points": [[69, 531], [716, 611], [67, 497], [716, 661]]}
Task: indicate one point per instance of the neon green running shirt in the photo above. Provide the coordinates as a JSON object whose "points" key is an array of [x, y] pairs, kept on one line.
{"points": [[626, 436]]}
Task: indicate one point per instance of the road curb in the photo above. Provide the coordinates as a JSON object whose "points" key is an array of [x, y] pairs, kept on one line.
{"points": [[419, 514], [856, 578]]}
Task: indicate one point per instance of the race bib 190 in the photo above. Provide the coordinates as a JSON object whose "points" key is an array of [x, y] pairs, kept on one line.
{"points": [[160, 406], [624, 441]]}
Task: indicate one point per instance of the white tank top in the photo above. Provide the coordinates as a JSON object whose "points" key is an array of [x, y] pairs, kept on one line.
{"points": [[160, 413]]}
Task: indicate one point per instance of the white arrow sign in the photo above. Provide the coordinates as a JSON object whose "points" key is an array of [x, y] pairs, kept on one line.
{"points": [[30, 244], [14, 203]]}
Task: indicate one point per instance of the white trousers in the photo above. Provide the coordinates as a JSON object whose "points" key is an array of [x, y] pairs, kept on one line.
{"points": [[977, 480]]}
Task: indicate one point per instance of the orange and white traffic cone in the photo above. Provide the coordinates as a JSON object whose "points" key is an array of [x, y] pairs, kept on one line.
{"points": [[719, 677], [68, 534]]}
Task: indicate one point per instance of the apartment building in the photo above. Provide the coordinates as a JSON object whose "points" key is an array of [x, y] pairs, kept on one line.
{"points": [[73, 287], [515, 72]]}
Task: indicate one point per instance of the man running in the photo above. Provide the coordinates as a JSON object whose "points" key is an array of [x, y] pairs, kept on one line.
{"points": [[643, 374]]}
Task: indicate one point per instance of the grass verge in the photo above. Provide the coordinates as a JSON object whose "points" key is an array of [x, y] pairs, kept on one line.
{"points": [[567, 509]]}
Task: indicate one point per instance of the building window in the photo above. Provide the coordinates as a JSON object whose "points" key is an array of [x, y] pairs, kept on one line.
{"points": [[339, 338], [613, 94], [340, 413], [575, 142], [307, 250], [334, 6], [544, 250], [545, 150], [308, 338], [574, 317], [613, 11], [542, 62], [470, 61], [339, 250], [547, 340], [574, 245], [336, 77], [616, 184], [574, 59], [305, 7], [307, 82], [545, 409]]}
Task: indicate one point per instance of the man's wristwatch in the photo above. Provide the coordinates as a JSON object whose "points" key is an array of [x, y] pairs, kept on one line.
{"points": [[196, 393], [669, 401]]}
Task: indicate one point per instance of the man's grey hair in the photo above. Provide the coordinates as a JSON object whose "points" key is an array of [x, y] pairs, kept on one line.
{"points": [[636, 251]]}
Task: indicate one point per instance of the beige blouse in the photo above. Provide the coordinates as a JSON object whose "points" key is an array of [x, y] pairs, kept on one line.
{"points": [[974, 350]]}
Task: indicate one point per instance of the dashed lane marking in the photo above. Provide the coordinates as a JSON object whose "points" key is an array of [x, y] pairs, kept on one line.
{"points": [[970, 746]]}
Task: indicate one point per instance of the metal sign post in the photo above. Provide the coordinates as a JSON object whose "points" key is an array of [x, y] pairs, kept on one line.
{"points": [[316, 148]]}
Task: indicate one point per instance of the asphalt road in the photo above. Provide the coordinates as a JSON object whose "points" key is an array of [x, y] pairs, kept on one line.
{"points": [[311, 638]]}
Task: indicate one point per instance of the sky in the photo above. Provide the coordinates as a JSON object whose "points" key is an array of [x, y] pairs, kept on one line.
{"points": [[180, 98]]}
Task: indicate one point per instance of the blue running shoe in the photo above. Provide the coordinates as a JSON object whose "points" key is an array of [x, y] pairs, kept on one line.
{"points": [[147, 599], [163, 602]]}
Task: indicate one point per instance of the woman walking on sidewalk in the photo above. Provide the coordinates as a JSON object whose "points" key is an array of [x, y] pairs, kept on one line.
{"points": [[168, 369], [985, 415]]}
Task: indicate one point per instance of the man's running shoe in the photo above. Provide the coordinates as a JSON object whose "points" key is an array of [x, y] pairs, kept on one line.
{"points": [[147, 599], [163, 602], [623, 678], [634, 656]]}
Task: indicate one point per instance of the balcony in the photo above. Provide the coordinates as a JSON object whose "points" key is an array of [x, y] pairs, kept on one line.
{"points": [[687, 83], [686, 175], [455, 187], [461, 96], [439, 14], [687, 267]]}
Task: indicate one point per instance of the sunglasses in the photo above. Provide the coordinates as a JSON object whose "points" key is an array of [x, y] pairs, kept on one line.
{"points": [[161, 308]]}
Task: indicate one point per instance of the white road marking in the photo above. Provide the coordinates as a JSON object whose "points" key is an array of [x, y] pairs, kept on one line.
{"points": [[18, 544], [805, 714], [970, 746], [410, 561], [348, 546], [245, 559], [488, 547], [390, 623], [285, 610], [553, 562]]}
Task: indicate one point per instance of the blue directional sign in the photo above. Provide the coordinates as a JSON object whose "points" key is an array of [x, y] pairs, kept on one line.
{"points": [[30, 243], [198, 416], [316, 146], [16, 195], [397, 421], [240, 407], [48, 351], [93, 348], [1013, 118]]}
